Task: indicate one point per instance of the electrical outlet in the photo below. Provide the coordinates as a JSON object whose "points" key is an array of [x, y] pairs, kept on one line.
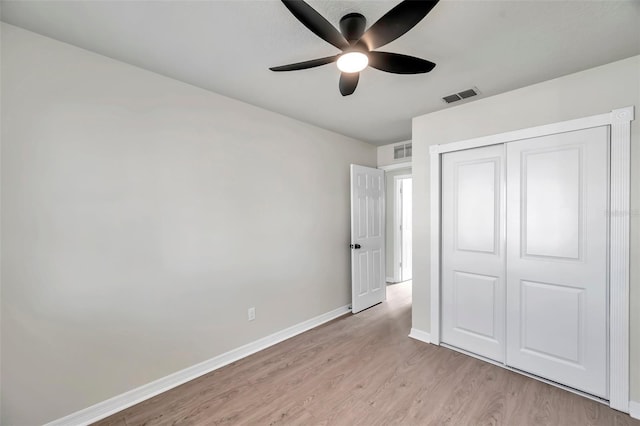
{"points": [[251, 314]]}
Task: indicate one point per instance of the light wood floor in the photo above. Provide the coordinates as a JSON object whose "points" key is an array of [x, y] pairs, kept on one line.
{"points": [[363, 369]]}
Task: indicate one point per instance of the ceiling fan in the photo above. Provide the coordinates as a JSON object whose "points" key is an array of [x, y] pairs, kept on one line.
{"points": [[357, 44]]}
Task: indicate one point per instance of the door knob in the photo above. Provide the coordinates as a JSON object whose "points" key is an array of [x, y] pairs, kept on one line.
{"points": [[355, 246]]}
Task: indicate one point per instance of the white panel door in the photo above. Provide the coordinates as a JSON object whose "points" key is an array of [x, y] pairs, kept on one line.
{"points": [[473, 296], [557, 199], [367, 237]]}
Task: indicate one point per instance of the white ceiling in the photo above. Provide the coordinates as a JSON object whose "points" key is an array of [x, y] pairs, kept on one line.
{"points": [[228, 46]]}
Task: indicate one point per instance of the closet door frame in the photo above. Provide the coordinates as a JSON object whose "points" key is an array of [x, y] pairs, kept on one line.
{"points": [[619, 121]]}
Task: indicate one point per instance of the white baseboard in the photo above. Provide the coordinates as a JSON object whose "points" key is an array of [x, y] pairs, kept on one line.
{"points": [[390, 280], [423, 336], [120, 402], [634, 409]]}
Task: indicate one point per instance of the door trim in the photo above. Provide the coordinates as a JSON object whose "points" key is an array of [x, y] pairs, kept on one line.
{"points": [[619, 121], [396, 166]]}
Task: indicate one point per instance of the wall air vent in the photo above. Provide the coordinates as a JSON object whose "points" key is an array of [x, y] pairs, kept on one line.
{"points": [[402, 150], [461, 95]]}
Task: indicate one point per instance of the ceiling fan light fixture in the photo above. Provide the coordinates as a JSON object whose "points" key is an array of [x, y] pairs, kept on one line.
{"points": [[358, 46], [353, 62]]}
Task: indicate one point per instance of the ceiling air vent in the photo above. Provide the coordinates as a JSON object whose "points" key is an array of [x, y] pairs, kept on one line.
{"points": [[461, 95], [402, 151], [451, 98]]}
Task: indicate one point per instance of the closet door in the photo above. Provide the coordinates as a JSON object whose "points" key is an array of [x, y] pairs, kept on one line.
{"points": [[557, 200], [473, 294]]}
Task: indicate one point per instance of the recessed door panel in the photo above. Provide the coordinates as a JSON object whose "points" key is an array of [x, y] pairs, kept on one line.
{"points": [[474, 298], [473, 304], [361, 224], [552, 318], [476, 195], [552, 190], [374, 198], [376, 264], [557, 199], [363, 273]]}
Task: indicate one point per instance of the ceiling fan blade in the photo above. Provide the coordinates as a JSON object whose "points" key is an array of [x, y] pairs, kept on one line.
{"points": [[306, 64], [348, 82], [396, 22], [316, 23], [399, 64]]}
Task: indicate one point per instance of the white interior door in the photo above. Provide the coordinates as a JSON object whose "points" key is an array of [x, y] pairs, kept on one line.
{"points": [[367, 237], [557, 192], [406, 266], [472, 273]]}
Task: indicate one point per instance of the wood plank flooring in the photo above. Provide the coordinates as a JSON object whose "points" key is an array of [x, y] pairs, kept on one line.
{"points": [[363, 370]]}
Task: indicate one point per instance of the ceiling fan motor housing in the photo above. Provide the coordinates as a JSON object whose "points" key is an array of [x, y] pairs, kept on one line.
{"points": [[352, 26]]}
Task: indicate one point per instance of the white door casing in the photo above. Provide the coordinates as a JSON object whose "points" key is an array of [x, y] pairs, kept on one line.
{"points": [[473, 282], [367, 237], [619, 122], [557, 200]]}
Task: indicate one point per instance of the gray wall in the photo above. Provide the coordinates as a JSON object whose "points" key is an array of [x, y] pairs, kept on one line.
{"points": [[595, 91], [141, 217], [390, 195]]}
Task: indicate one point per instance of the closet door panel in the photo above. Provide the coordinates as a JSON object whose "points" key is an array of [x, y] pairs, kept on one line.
{"points": [[557, 199], [473, 301]]}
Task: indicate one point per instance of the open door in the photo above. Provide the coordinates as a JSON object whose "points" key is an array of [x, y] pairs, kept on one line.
{"points": [[367, 237]]}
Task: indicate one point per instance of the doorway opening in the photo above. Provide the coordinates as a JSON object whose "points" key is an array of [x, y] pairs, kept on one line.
{"points": [[403, 228], [399, 226]]}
